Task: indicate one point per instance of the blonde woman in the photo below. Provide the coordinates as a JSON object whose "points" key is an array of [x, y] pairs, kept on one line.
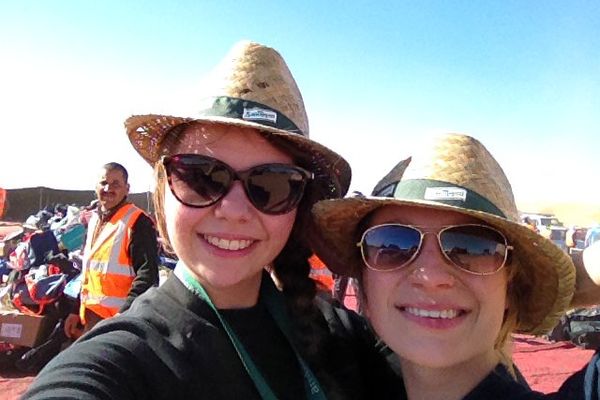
{"points": [[448, 272]]}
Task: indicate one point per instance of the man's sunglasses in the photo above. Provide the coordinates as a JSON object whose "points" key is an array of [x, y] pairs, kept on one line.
{"points": [[201, 181], [476, 249]]}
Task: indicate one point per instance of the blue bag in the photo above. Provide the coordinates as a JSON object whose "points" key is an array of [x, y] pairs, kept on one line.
{"points": [[73, 238]]}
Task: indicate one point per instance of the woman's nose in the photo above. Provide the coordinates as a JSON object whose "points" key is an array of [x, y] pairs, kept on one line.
{"points": [[431, 269], [235, 204]]}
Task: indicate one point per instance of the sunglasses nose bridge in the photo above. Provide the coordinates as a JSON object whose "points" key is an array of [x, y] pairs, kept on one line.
{"points": [[429, 242], [430, 252], [234, 204], [430, 268], [241, 178]]}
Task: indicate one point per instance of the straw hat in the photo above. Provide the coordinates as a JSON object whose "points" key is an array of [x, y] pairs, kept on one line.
{"points": [[457, 173], [251, 87]]}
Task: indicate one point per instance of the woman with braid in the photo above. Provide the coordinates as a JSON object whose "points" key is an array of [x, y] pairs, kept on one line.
{"points": [[235, 184]]}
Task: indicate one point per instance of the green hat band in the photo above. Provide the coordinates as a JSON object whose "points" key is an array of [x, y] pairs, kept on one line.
{"points": [[440, 192]]}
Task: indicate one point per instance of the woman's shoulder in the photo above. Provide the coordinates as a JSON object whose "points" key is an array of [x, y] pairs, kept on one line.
{"points": [[341, 320], [356, 354], [146, 352], [499, 384], [111, 363]]}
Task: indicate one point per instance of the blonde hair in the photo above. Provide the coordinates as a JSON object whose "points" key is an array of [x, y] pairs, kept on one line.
{"points": [[516, 296], [158, 197], [511, 318]]}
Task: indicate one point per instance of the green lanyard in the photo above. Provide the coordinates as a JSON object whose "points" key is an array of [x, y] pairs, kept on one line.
{"points": [[273, 300]]}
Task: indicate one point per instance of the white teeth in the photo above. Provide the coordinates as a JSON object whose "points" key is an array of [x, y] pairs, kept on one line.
{"points": [[443, 314], [227, 244]]}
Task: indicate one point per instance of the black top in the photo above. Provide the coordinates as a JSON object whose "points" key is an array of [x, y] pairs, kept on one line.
{"points": [[268, 347], [500, 385], [143, 250], [169, 345]]}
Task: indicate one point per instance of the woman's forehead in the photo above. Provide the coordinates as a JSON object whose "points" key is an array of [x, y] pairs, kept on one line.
{"points": [[197, 138], [222, 141], [415, 215]]}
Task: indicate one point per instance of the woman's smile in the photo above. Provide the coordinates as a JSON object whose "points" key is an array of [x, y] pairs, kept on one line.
{"points": [[439, 317], [228, 244]]}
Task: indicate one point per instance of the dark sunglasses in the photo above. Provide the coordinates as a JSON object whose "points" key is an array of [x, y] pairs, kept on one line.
{"points": [[476, 249], [201, 181]]}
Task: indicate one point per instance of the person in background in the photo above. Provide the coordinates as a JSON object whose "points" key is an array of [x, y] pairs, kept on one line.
{"points": [[235, 184], [592, 235], [570, 238], [448, 273], [531, 224], [120, 257], [321, 274]]}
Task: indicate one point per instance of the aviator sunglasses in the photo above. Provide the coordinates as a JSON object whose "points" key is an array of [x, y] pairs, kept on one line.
{"points": [[476, 249], [201, 181]]}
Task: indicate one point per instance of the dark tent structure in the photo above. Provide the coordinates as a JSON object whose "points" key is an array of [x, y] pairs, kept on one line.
{"points": [[21, 203]]}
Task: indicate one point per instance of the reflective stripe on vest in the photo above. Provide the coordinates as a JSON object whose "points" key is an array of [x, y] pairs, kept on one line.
{"points": [[108, 273], [320, 273]]}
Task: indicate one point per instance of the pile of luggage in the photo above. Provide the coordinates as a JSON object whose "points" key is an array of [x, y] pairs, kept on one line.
{"points": [[40, 269]]}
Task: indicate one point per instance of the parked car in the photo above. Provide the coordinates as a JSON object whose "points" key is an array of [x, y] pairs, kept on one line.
{"points": [[542, 220], [549, 226]]}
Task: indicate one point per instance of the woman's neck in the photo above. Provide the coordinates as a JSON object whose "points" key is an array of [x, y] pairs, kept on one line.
{"points": [[226, 294], [449, 383], [244, 294]]}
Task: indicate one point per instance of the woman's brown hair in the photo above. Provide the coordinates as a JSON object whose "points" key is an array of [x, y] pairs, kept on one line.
{"points": [[291, 268]]}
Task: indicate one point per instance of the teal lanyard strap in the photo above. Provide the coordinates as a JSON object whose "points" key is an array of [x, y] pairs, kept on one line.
{"points": [[274, 301], [269, 293]]}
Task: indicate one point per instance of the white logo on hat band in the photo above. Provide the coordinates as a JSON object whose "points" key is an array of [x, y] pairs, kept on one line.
{"points": [[255, 113], [445, 193]]}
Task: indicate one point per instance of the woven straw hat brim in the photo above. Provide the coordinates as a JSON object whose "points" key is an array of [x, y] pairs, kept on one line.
{"points": [[147, 133], [551, 270]]}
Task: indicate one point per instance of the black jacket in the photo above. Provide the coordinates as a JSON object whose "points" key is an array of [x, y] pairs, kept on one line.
{"points": [[500, 385], [169, 345]]}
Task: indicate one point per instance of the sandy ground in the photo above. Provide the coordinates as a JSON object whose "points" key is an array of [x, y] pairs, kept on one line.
{"points": [[546, 365]]}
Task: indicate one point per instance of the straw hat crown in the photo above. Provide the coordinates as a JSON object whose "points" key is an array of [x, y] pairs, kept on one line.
{"points": [[456, 173], [258, 73], [251, 87], [463, 161]]}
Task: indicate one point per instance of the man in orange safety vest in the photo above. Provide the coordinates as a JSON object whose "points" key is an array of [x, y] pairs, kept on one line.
{"points": [[120, 259]]}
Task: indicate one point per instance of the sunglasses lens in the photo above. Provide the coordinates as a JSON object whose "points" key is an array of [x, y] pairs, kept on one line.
{"points": [[388, 247], [275, 189], [197, 181], [474, 248], [200, 181]]}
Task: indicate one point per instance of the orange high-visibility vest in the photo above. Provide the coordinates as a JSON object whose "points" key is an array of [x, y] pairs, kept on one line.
{"points": [[2, 201], [320, 273], [107, 266]]}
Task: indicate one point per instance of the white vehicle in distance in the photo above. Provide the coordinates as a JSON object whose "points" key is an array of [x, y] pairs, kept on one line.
{"points": [[549, 226]]}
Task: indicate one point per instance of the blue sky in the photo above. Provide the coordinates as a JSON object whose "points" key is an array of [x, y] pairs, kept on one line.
{"points": [[521, 76]]}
